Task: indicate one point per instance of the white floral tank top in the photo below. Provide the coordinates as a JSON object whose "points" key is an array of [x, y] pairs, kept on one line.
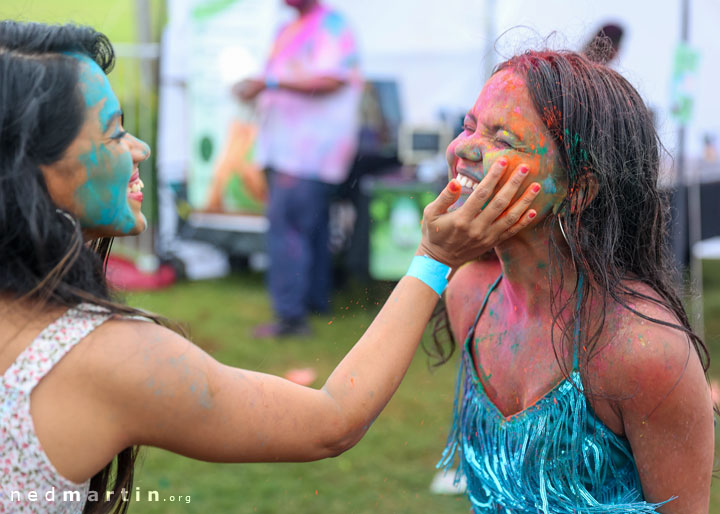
{"points": [[29, 483]]}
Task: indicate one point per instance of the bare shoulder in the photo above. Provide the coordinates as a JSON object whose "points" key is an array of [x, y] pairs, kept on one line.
{"points": [[132, 345], [122, 339], [137, 362], [86, 409], [643, 357], [660, 398], [466, 291]]}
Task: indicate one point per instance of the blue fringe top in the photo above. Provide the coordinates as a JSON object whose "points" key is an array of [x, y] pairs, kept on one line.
{"points": [[555, 457]]}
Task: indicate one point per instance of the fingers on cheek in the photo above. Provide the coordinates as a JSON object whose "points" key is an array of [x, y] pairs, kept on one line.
{"points": [[510, 219], [514, 159]]}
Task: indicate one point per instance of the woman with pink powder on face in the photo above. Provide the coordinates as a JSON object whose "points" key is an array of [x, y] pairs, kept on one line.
{"points": [[83, 381], [582, 386]]}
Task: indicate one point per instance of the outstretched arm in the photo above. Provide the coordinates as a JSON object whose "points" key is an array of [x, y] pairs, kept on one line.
{"points": [[167, 392]]}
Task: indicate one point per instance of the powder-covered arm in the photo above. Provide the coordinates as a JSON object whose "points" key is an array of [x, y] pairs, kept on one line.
{"points": [[156, 388]]}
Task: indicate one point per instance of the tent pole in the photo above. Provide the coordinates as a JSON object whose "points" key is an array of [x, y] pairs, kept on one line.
{"points": [[694, 212]]}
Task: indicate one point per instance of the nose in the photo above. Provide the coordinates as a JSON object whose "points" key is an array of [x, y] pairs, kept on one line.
{"points": [[139, 150], [469, 150]]}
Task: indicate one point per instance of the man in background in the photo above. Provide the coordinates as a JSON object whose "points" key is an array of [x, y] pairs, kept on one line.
{"points": [[308, 104]]}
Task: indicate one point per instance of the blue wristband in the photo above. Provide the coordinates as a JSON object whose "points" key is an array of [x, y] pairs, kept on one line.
{"points": [[271, 83], [435, 274]]}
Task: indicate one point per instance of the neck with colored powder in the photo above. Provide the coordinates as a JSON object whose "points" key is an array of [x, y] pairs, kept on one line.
{"points": [[526, 271]]}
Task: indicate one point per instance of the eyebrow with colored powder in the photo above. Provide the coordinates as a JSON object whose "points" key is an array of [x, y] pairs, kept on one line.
{"points": [[502, 129], [112, 117]]}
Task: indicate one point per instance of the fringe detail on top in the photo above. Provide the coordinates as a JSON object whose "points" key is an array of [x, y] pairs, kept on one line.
{"points": [[554, 457]]}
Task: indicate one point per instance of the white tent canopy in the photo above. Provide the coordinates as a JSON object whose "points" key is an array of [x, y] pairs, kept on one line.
{"points": [[438, 50]]}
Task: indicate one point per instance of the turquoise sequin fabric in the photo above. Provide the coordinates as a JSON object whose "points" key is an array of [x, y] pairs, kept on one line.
{"points": [[554, 457]]}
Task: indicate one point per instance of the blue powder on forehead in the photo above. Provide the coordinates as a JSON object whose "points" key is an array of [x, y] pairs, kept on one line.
{"points": [[96, 88]]}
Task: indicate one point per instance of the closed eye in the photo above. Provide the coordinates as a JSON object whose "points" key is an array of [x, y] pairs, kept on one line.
{"points": [[469, 124]]}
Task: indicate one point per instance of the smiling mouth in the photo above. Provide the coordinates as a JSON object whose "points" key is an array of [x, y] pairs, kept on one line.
{"points": [[467, 182], [134, 189]]}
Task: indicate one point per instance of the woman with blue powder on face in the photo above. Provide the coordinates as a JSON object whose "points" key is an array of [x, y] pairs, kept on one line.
{"points": [[581, 386], [84, 382]]}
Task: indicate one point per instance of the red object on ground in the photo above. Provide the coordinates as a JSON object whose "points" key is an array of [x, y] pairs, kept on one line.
{"points": [[302, 376], [123, 274]]}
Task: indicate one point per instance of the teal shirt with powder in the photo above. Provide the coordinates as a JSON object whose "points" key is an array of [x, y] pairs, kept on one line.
{"points": [[555, 457]]}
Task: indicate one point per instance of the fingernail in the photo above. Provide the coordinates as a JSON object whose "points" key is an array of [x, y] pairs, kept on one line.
{"points": [[454, 186], [502, 162], [536, 188], [524, 169], [532, 214]]}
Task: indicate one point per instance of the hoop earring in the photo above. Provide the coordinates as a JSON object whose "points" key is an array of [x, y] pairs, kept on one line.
{"points": [[68, 216], [562, 230], [565, 237]]}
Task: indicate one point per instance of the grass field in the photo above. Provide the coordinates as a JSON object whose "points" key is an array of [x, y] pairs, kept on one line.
{"points": [[391, 469], [388, 472]]}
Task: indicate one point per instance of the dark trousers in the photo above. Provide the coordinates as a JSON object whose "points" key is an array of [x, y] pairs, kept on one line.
{"points": [[299, 276]]}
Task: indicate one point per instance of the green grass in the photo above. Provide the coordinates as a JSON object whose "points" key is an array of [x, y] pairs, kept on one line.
{"points": [[389, 471], [711, 301]]}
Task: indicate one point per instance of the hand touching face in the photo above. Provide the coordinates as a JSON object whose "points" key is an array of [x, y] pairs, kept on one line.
{"points": [[504, 123]]}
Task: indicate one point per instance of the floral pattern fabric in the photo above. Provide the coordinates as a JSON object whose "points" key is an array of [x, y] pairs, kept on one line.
{"points": [[29, 483]]}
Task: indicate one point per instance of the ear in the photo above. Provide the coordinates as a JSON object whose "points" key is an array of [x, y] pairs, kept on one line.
{"points": [[583, 193]]}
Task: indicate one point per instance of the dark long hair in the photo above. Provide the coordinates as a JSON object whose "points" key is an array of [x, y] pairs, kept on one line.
{"points": [[604, 133], [42, 253]]}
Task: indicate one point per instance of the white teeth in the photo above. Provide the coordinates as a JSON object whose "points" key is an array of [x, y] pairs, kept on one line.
{"points": [[475, 186], [467, 182], [135, 187]]}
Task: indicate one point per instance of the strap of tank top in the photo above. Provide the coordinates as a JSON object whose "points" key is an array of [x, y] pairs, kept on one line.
{"points": [[471, 330], [53, 343], [576, 331]]}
